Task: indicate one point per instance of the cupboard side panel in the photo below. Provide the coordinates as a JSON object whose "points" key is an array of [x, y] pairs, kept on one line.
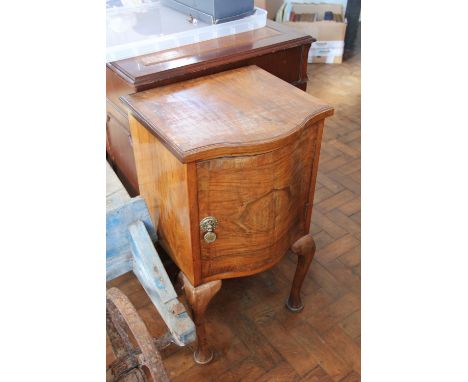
{"points": [[163, 184]]}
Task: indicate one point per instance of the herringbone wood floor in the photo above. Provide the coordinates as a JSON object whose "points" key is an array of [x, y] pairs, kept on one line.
{"points": [[255, 337]]}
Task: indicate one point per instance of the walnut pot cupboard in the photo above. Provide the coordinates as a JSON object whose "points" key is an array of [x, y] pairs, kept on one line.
{"points": [[275, 48], [227, 164]]}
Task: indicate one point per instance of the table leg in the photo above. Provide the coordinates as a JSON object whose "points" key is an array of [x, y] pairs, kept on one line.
{"points": [[304, 248], [199, 297]]}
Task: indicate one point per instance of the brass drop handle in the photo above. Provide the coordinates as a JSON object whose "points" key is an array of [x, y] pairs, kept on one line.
{"points": [[208, 225]]}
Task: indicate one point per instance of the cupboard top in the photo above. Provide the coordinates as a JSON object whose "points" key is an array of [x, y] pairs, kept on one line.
{"points": [[237, 112]]}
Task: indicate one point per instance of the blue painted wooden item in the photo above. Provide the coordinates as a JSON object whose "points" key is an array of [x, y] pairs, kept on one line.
{"points": [[130, 235]]}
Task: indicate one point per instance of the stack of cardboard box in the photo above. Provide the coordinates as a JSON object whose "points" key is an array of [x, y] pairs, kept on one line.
{"points": [[309, 18]]}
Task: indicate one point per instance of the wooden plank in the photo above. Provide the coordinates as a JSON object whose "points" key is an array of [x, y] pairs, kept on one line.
{"points": [[247, 370], [118, 264], [344, 346], [336, 249], [329, 226], [118, 253], [352, 257], [348, 277], [280, 373], [352, 324], [149, 265], [256, 343], [327, 358], [352, 377], [298, 357], [116, 194], [326, 280], [332, 314], [129, 246], [150, 271], [335, 201], [317, 375], [344, 221]]}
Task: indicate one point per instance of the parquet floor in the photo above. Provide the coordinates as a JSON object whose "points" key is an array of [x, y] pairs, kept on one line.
{"points": [[255, 337]]}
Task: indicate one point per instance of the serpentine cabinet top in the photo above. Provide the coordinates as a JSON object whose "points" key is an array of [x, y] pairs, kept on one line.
{"points": [[237, 112]]}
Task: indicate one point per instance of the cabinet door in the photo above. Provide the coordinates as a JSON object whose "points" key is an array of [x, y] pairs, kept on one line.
{"points": [[260, 203]]}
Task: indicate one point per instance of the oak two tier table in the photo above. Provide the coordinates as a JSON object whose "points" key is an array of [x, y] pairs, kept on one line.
{"points": [[276, 48], [227, 164]]}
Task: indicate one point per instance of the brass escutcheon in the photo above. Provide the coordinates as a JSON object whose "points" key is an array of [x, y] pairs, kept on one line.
{"points": [[208, 225]]}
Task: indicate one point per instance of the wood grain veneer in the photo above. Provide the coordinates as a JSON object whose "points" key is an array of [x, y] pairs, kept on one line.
{"points": [[242, 146], [164, 184], [275, 48], [169, 64], [229, 113], [260, 202]]}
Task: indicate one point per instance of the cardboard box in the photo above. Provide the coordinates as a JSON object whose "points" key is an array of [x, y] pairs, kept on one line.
{"points": [[271, 6], [260, 3], [329, 34]]}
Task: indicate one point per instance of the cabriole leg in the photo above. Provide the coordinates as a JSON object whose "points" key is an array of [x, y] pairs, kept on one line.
{"points": [[199, 297], [304, 248]]}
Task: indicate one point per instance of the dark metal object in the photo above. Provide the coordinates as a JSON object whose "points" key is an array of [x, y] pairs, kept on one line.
{"points": [[353, 17], [213, 11], [138, 359]]}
